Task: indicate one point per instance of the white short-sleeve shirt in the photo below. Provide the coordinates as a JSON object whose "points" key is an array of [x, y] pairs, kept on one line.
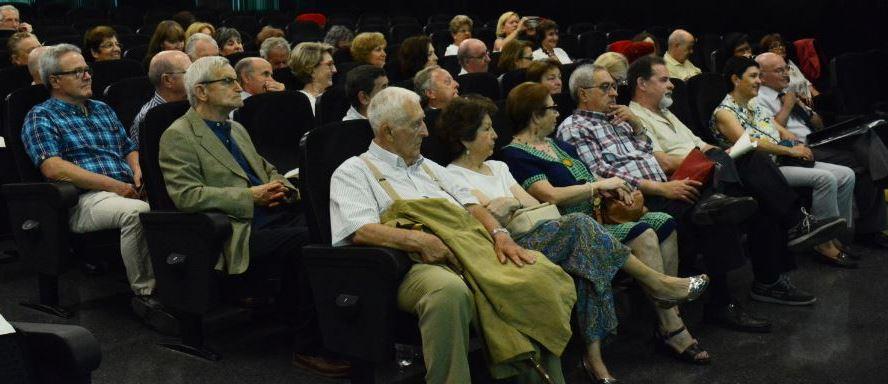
{"points": [[492, 186]]}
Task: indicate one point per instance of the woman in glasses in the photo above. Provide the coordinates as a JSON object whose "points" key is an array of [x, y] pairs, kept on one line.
{"points": [[797, 81], [101, 42], [516, 54], [312, 64]]}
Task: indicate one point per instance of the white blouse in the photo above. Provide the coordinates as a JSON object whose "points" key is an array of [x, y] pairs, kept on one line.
{"points": [[497, 185], [559, 53]]}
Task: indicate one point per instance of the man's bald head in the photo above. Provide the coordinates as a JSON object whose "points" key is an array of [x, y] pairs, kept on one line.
{"points": [[167, 62], [681, 45], [769, 60], [773, 71], [473, 55], [34, 63]]}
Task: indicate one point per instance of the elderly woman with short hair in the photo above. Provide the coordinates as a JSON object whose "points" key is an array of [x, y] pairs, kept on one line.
{"points": [[200, 27], [101, 42], [547, 36], [312, 64], [229, 41], [369, 48], [546, 72], [460, 30], [616, 64]]}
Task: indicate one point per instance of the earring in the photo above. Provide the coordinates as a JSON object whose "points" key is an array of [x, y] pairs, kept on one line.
{"points": [[467, 152]]}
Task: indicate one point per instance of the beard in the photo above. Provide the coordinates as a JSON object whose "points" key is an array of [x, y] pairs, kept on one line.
{"points": [[666, 101]]}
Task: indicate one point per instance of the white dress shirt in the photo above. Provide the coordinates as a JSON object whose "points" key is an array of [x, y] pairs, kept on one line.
{"points": [[357, 198], [312, 100], [559, 53], [353, 114], [451, 50], [768, 99]]}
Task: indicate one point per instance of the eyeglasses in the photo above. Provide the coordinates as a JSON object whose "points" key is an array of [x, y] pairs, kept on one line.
{"points": [[603, 87], [553, 107], [110, 45], [78, 73], [174, 73], [481, 56], [226, 81]]}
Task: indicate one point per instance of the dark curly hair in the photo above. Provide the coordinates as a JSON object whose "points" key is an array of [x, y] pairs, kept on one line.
{"points": [[459, 121], [414, 54]]}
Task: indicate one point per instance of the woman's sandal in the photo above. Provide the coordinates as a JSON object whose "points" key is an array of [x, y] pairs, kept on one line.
{"points": [[689, 355], [594, 379]]}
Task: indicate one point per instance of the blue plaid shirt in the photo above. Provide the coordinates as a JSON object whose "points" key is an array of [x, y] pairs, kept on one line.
{"points": [[95, 141]]}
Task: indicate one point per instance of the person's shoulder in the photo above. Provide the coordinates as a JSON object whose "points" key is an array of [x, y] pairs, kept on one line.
{"points": [[350, 167]]}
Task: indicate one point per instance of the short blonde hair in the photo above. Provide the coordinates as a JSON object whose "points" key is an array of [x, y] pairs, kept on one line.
{"points": [[196, 27], [501, 23], [364, 43], [615, 63], [306, 57], [458, 21]]}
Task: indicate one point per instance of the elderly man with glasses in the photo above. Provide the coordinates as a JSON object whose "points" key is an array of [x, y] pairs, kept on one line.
{"points": [[473, 56], [166, 73], [209, 163], [73, 138]]}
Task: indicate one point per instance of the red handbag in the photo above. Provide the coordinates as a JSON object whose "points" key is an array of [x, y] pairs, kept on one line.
{"points": [[696, 166]]}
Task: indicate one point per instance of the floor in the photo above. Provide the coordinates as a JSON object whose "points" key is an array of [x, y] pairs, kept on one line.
{"points": [[841, 339]]}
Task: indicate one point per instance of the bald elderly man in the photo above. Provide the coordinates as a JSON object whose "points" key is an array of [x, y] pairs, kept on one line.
{"points": [[254, 76], [166, 73], [677, 56], [473, 56]]}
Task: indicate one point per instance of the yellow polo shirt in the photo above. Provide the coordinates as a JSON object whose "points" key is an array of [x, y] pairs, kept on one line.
{"points": [[683, 71], [667, 131]]}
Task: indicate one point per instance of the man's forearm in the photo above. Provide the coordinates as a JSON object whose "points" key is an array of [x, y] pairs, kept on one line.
{"points": [[390, 237], [57, 169], [132, 159], [650, 187]]}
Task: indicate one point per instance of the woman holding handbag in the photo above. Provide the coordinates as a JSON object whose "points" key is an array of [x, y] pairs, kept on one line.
{"points": [[575, 241]]}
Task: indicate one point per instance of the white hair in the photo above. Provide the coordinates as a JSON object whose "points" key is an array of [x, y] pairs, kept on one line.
{"points": [[388, 106], [200, 71], [582, 77], [49, 62], [191, 43], [7, 8], [677, 37], [273, 43]]}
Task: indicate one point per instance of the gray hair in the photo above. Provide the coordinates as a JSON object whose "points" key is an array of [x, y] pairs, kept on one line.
{"points": [[200, 71], [49, 62], [34, 62], [464, 50], [582, 77], [388, 107], [422, 82], [224, 34], [677, 37], [338, 33], [273, 43], [161, 63], [191, 43], [7, 8], [243, 66]]}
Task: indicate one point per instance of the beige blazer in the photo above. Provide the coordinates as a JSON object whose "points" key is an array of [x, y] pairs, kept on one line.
{"points": [[201, 175]]}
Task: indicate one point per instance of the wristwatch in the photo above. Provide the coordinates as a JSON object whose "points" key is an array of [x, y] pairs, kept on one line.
{"points": [[499, 230]]}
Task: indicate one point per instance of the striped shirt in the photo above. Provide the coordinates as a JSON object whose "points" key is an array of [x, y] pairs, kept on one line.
{"points": [[137, 122], [91, 137], [611, 150], [357, 198]]}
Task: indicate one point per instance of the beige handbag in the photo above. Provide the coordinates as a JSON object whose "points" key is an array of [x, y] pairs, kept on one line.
{"points": [[526, 219]]}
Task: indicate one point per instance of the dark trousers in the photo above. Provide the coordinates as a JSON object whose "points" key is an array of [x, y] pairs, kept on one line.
{"points": [[275, 250], [866, 155]]}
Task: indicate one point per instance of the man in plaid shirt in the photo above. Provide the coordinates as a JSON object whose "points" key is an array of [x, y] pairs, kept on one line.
{"points": [[72, 138]]}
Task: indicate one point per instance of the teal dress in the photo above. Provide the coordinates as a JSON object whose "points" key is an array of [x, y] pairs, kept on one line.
{"points": [[529, 165]]}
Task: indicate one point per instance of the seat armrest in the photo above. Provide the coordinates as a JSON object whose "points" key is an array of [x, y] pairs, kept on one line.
{"points": [[355, 291], [184, 250], [65, 350], [56, 194]]}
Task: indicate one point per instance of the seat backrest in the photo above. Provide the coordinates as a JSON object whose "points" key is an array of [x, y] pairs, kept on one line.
{"points": [[107, 72], [620, 34], [136, 53], [157, 120], [18, 104], [332, 105], [12, 79], [482, 83], [503, 128], [450, 64], [680, 107], [276, 121], [592, 43], [578, 28], [705, 93], [511, 80], [321, 151], [127, 96], [238, 56], [286, 77], [851, 75]]}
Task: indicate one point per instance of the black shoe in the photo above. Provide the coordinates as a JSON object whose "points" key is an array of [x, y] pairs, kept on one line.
{"points": [[153, 314], [722, 209], [733, 316], [843, 260], [878, 240], [781, 292], [812, 231]]}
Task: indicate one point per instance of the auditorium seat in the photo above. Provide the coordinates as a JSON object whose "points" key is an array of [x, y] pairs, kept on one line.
{"points": [[332, 105], [450, 64], [276, 122], [127, 96], [286, 77], [680, 107], [483, 83], [44, 353], [851, 75], [108, 72], [136, 53], [591, 44], [511, 80], [238, 56], [705, 93]]}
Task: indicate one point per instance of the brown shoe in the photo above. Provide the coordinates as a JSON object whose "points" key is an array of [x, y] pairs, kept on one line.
{"points": [[322, 366]]}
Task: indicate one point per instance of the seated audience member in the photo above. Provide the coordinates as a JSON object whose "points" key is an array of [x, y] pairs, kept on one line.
{"points": [[229, 41], [575, 241], [11, 21], [678, 53], [436, 89], [392, 181], [268, 32], [798, 84], [361, 84], [101, 41], [616, 65], [166, 73], [73, 138], [736, 45], [508, 27], [200, 27], [276, 50], [34, 64], [369, 48], [473, 56], [865, 152], [312, 64], [779, 209], [168, 36], [648, 38], [547, 37], [516, 54], [415, 54], [632, 50], [339, 37], [546, 72], [254, 77], [201, 45], [460, 30], [196, 154], [20, 45], [833, 185]]}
